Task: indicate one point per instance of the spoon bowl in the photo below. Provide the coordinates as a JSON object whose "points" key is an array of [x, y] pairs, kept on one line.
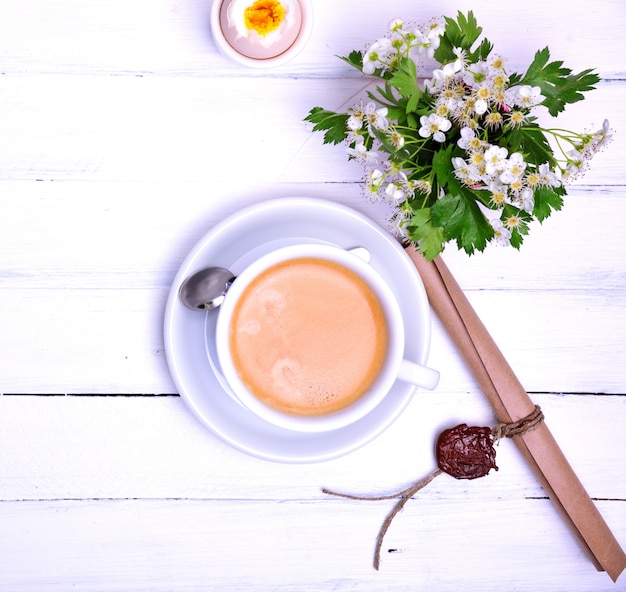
{"points": [[205, 289]]}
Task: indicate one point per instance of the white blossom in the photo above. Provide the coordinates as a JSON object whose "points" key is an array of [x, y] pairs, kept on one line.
{"points": [[495, 159], [603, 135], [360, 151], [502, 234], [514, 168], [434, 125], [527, 200], [376, 117], [376, 178], [395, 192], [524, 96], [547, 176], [377, 55]]}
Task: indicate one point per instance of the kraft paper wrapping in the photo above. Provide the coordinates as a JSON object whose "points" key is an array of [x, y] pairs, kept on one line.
{"points": [[511, 403]]}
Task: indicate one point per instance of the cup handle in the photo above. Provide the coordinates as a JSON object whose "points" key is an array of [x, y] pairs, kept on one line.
{"points": [[419, 375]]}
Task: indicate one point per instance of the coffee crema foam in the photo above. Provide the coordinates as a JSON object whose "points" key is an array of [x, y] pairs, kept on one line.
{"points": [[308, 337]]}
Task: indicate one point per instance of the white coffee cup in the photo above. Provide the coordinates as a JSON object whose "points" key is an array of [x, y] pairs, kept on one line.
{"points": [[394, 365]]}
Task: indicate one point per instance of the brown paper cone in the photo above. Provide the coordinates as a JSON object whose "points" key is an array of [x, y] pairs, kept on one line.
{"points": [[511, 403]]}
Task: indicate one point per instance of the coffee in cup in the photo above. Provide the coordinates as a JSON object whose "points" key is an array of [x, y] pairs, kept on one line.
{"points": [[308, 336], [311, 338]]}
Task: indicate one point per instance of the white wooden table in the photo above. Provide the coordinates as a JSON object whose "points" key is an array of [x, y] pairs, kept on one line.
{"points": [[125, 137]]}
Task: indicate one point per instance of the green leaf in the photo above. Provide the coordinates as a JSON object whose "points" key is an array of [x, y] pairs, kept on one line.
{"points": [[442, 166], [516, 239], [389, 148], [462, 32], [531, 142], [332, 124], [355, 59], [385, 97], [461, 218], [404, 79], [535, 145], [412, 120], [540, 60], [427, 236], [386, 92], [558, 85], [547, 199], [482, 52], [449, 212]]}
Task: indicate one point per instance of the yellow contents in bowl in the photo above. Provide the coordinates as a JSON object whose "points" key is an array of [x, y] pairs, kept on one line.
{"points": [[264, 16], [261, 29]]}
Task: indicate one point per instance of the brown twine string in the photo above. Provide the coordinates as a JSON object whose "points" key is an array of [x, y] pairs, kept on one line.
{"points": [[518, 428], [502, 430], [404, 495]]}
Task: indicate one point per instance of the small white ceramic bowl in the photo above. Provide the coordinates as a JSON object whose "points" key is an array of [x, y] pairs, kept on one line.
{"points": [[225, 37]]}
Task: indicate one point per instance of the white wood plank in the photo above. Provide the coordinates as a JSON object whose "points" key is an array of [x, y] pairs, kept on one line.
{"points": [[132, 235], [173, 38], [120, 128], [213, 545], [84, 340], [110, 341], [155, 128], [55, 448], [113, 234]]}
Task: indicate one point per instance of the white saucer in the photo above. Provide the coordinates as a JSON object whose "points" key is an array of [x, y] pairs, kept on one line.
{"points": [[234, 243]]}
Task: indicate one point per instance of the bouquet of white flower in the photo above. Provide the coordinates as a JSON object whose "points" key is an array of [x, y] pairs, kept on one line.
{"points": [[462, 154]]}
